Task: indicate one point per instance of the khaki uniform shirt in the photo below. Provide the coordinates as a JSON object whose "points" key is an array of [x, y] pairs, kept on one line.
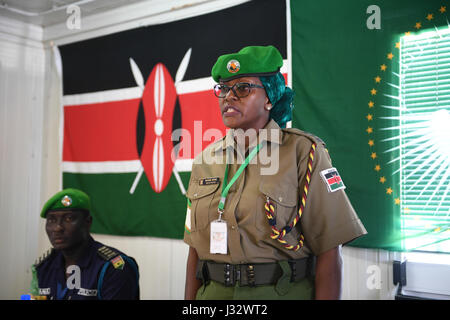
{"points": [[328, 218]]}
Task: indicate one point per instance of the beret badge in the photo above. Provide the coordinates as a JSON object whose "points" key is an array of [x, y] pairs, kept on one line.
{"points": [[233, 66], [66, 201]]}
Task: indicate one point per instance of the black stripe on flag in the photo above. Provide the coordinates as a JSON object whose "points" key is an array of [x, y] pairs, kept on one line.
{"points": [[103, 63], [331, 174]]}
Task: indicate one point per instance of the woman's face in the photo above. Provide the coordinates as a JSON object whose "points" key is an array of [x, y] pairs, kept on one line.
{"points": [[248, 112]]}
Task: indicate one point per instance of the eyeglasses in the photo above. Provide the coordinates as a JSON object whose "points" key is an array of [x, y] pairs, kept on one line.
{"points": [[240, 89]]}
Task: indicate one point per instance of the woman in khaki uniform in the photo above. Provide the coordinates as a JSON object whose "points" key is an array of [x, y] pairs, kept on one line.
{"points": [[267, 212]]}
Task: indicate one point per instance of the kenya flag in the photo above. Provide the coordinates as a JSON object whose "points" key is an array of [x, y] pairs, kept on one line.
{"points": [[139, 106]]}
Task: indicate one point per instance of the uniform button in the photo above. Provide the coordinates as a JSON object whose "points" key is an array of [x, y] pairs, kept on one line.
{"points": [[280, 199], [195, 194], [233, 227]]}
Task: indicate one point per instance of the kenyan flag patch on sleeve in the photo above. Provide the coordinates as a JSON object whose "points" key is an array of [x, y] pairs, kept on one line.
{"points": [[332, 179]]}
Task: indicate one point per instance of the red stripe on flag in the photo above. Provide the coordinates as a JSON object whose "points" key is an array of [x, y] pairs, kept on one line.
{"points": [[195, 107], [107, 131], [334, 179], [101, 132]]}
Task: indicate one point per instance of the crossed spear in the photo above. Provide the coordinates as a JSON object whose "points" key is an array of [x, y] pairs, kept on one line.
{"points": [[137, 74]]}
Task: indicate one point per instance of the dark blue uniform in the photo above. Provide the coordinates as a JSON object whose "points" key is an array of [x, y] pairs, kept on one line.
{"points": [[105, 273]]}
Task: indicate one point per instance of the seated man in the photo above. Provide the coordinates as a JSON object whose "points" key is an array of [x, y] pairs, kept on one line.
{"points": [[78, 267]]}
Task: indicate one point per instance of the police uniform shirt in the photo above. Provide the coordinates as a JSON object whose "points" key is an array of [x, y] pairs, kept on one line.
{"points": [[101, 277], [328, 219]]}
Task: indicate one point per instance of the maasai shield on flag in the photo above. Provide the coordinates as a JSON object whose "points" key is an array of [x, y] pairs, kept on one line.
{"points": [[131, 97]]}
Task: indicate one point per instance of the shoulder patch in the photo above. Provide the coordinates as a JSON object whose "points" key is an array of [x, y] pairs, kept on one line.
{"points": [[332, 179], [107, 253], [118, 262], [44, 257]]}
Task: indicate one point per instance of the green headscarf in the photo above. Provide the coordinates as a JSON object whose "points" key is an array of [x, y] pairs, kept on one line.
{"points": [[281, 98]]}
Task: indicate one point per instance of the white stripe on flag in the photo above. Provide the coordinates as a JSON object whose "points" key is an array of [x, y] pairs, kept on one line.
{"points": [[184, 165], [284, 68], [189, 86], [101, 166], [102, 96]]}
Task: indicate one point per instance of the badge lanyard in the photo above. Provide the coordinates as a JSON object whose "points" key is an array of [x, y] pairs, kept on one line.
{"points": [[218, 236], [226, 186]]}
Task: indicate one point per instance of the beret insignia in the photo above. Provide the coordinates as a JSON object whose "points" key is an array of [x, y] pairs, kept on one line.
{"points": [[233, 66], [252, 61], [66, 201]]}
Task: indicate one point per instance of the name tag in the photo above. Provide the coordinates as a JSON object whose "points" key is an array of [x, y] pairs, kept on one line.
{"points": [[218, 241], [44, 291], [87, 292], [208, 181]]}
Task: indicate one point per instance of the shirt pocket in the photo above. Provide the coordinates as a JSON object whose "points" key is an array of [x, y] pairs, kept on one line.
{"points": [[202, 204], [284, 199]]}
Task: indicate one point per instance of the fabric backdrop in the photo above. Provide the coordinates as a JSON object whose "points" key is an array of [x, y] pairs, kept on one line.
{"points": [[119, 113]]}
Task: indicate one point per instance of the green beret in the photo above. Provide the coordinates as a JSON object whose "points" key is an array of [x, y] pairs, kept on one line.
{"points": [[250, 61], [67, 199]]}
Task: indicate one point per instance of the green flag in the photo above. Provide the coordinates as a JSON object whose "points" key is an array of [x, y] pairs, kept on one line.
{"points": [[361, 71]]}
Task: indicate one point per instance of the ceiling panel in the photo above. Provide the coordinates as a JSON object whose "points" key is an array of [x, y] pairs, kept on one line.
{"points": [[49, 12]]}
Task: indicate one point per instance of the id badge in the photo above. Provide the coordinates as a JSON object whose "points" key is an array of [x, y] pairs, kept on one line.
{"points": [[218, 241]]}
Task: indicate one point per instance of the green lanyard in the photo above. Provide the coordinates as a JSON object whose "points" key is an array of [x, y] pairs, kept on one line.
{"points": [[226, 186]]}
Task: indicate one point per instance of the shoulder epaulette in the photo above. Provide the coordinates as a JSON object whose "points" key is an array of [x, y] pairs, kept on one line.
{"points": [[107, 253], [44, 257], [308, 135], [112, 256]]}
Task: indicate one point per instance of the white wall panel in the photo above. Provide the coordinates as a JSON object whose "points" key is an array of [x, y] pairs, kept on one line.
{"points": [[22, 77], [367, 274]]}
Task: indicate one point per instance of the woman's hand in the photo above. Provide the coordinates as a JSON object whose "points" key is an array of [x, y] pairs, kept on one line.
{"points": [[329, 275], [192, 283]]}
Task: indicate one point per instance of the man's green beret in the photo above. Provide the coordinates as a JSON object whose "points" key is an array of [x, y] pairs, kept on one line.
{"points": [[250, 61], [67, 199]]}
